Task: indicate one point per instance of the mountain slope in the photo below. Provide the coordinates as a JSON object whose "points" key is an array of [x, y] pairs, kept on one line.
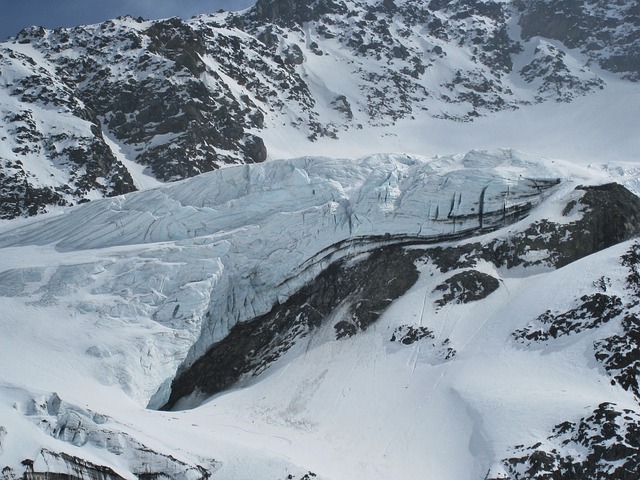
{"points": [[84, 109], [458, 371], [357, 315]]}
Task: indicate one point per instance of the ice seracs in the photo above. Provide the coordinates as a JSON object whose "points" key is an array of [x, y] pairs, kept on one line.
{"points": [[155, 279], [175, 98], [253, 235]]}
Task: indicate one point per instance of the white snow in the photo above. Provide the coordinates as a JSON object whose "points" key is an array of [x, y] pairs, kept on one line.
{"points": [[598, 128], [102, 303], [142, 178]]}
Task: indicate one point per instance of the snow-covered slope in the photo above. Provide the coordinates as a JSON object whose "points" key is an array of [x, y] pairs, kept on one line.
{"points": [[253, 235], [448, 342], [99, 110], [318, 309]]}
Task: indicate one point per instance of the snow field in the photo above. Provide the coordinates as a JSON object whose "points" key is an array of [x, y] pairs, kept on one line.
{"points": [[152, 278]]}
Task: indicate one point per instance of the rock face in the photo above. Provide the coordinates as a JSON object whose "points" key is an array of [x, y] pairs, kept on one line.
{"points": [[80, 165], [608, 442], [352, 286], [350, 294], [466, 286], [620, 353], [593, 311], [606, 32], [409, 334], [609, 214], [292, 13], [180, 98]]}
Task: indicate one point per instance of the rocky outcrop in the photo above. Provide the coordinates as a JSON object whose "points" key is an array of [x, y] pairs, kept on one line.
{"points": [[603, 445], [409, 334], [186, 97], [465, 287], [592, 312], [555, 78], [350, 294], [164, 103], [620, 353], [609, 214], [292, 13], [604, 31], [80, 164], [148, 86]]}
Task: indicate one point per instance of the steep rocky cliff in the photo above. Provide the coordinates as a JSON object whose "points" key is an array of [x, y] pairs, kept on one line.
{"points": [[95, 110], [353, 292]]}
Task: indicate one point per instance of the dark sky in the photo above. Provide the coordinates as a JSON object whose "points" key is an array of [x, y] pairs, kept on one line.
{"points": [[17, 14]]}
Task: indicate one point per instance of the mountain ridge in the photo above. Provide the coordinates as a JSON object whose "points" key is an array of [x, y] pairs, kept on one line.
{"points": [[184, 97], [263, 294], [156, 278]]}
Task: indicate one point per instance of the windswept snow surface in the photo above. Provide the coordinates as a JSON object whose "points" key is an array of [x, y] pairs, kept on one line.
{"points": [[102, 303], [595, 128]]}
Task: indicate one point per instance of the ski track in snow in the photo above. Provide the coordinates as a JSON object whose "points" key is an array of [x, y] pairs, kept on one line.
{"points": [[103, 302], [137, 274]]}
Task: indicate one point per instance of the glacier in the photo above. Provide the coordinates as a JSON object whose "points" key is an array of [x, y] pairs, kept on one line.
{"points": [[253, 235], [105, 303], [343, 298]]}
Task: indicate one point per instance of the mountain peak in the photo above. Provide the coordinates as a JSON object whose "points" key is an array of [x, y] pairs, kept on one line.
{"points": [[288, 13], [157, 101], [295, 301], [606, 32]]}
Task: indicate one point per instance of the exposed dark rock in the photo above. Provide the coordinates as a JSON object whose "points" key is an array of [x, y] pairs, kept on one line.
{"points": [[87, 163], [620, 353], [366, 288], [177, 105], [293, 55], [605, 31], [177, 41], [19, 198], [307, 476], [456, 257], [289, 13], [564, 243], [610, 215], [631, 260], [604, 446], [557, 79], [408, 334], [446, 352], [342, 105], [465, 287], [155, 98], [593, 311], [254, 149]]}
